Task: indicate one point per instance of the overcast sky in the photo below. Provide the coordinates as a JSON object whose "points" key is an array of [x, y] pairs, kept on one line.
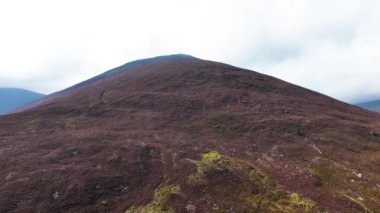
{"points": [[331, 46]]}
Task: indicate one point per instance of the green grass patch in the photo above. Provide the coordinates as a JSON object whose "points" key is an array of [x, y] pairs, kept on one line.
{"points": [[233, 184], [160, 202]]}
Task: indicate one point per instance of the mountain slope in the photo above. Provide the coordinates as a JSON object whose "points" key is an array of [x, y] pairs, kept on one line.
{"points": [[189, 135], [13, 98], [122, 68], [372, 105]]}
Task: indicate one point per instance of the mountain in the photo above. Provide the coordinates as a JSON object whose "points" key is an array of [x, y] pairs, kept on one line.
{"points": [[122, 68], [181, 134], [13, 98], [372, 105]]}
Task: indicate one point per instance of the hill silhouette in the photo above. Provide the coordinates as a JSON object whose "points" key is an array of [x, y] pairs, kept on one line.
{"points": [[372, 105], [13, 98]]}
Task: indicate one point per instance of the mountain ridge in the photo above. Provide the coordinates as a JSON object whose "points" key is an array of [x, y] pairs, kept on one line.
{"points": [[122, 68], [134, 64], [13, 98], [371, 105]]}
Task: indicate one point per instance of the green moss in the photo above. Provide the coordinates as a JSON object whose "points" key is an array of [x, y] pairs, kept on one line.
{"points": [[326, 175], [256, 175], [210, 161], [297, 201], [160, 202], [275, 200], [211, 156], [233, 184]]}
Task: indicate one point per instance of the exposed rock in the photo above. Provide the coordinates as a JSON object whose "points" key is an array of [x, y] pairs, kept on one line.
{"points": [[55, 195]]}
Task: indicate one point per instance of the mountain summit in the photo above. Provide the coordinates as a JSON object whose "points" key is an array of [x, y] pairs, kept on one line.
{"points": [[136, 64], [181, 134]]}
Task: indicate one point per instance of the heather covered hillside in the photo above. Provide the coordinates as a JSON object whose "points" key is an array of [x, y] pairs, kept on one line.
{"points": [[181, 134]]}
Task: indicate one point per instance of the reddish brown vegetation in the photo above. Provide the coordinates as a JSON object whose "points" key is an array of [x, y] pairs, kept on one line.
{"points": [[109, 144]]}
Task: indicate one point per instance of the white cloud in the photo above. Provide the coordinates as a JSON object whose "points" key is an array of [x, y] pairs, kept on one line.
{"points": [[329, 46]]}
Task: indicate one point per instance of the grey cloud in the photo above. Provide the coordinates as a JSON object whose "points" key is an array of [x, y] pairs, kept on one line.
{"points": [[328, 46], [276, 52]]}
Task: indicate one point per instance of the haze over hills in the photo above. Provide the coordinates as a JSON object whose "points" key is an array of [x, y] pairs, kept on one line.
{"points": [[181, 134], [372, 105], [13, 98]]}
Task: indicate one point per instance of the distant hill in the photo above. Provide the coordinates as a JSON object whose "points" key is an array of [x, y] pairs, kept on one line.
{"points": [[372, 105], [13, 98]]}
